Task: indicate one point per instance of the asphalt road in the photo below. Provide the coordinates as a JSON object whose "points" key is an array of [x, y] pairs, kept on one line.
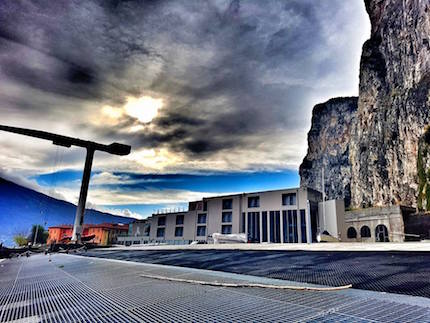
{"points": [[394, 272]]}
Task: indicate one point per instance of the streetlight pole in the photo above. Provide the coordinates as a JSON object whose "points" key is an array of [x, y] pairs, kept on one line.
{"points": [[80, 210], [114, 148]]}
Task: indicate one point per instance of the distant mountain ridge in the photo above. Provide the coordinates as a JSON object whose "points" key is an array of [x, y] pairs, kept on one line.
{"points": [[21, 207]]}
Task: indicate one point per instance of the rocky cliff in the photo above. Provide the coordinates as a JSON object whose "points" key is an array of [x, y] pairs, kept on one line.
{"points": [[328, 148], [393, 110], [393, 106]]}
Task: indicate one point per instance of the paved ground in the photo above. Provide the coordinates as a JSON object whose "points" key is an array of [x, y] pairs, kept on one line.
{"points": [[393, 272], [332, 246], [73, 288]]}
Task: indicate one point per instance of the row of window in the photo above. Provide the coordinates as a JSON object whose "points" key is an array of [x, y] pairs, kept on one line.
{"points": [[201, 231], [271, 226], [254, 201], [180, 219], [364, 232], [179, 231]]}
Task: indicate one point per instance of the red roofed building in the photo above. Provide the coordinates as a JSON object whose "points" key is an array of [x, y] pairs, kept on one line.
{"points": [[103, 234]]}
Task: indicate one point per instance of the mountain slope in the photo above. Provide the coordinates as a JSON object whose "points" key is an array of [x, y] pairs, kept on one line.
{"points": [[328, 148], [394, 104], [393, 111], [21, 207]]}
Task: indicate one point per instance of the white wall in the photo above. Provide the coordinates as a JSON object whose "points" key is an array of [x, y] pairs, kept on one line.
{"points": [[334, 217]]}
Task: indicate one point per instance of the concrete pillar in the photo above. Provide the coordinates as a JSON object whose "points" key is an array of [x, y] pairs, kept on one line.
{"points": [[260, 216], [281, 223], [246, 224], [308, 223], [299, 227]]}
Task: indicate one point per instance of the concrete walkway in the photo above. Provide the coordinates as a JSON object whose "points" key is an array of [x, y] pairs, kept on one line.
{"points": [[73, 288]]}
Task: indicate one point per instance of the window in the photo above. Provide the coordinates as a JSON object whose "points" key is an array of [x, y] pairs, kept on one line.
{"points": [[136, 242], [254, 201], [180, 219], [162, 220], [146, 231], [179, 231], [201, 218], [242, 223], [205, 205], [292, 226], [264, 224], [351, 233], [289, 199], [227, 204], [381, 233], [226, 229], [285, 226], [303, 225], [160, 233], [201, 231], [226, 216], [365, 231], [253, 226]]}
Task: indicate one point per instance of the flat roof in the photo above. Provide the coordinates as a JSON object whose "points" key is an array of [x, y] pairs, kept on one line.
{"points": [[259, 192]]}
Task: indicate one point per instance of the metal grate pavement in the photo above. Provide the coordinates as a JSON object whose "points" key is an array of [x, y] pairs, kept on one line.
{"points": [[78, 289]]}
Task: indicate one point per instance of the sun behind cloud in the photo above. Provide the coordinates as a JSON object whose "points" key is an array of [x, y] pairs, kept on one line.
{"points": [[144, 108]]}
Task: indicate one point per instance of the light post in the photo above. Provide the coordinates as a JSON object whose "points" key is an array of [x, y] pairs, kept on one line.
{"points": [[114, 148]]}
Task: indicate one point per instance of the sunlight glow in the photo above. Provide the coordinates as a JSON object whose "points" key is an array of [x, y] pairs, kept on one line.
{"points": [[144, 108]]}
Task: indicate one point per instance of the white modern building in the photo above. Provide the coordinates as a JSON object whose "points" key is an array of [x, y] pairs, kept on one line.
{"points": [[278, 216]]}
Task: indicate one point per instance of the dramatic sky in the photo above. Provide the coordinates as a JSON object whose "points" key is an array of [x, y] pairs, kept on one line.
{"points": [[213, 96]]}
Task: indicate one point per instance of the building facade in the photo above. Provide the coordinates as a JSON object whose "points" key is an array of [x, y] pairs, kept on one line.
{"points": [[279, 216], [376, 224], [103, 234]]}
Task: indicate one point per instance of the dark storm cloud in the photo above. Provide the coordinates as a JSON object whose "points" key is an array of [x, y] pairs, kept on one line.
{"points": [[233, 73]]}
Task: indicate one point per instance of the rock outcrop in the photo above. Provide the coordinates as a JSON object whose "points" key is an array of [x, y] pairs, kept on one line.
{"points": [[328, 148], [423, 172], [393, 106], [393, 113]]}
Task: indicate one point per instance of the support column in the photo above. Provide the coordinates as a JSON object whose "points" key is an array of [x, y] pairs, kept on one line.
{"points": [[246, 225], [299, 227], [260, 216], [281, 223], [80, 211], [308, 223]]}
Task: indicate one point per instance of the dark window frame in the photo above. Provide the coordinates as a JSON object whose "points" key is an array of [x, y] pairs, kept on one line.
{"points": [[227, 204], [159, 221], [182, 231], [289, 199], [351, 233], [159, 230], [179, 217], [226, 226], [365, 232], [230, 214], [253, 201], [199, 216], [199, 227]]}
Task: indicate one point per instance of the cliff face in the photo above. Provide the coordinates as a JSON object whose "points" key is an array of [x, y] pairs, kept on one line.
{"points": [[393, 106], [423, 172], [328, 148]]}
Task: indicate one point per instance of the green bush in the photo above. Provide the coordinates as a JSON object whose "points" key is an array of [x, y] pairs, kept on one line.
{"points": [[20, 240]]}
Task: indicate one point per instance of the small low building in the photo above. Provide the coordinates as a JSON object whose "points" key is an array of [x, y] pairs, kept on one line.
{"points": [[376, 224], [103, 234]]}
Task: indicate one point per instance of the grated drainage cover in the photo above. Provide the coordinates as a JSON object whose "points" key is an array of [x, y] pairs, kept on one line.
{"points": [[77, 289], [392, 272]]}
